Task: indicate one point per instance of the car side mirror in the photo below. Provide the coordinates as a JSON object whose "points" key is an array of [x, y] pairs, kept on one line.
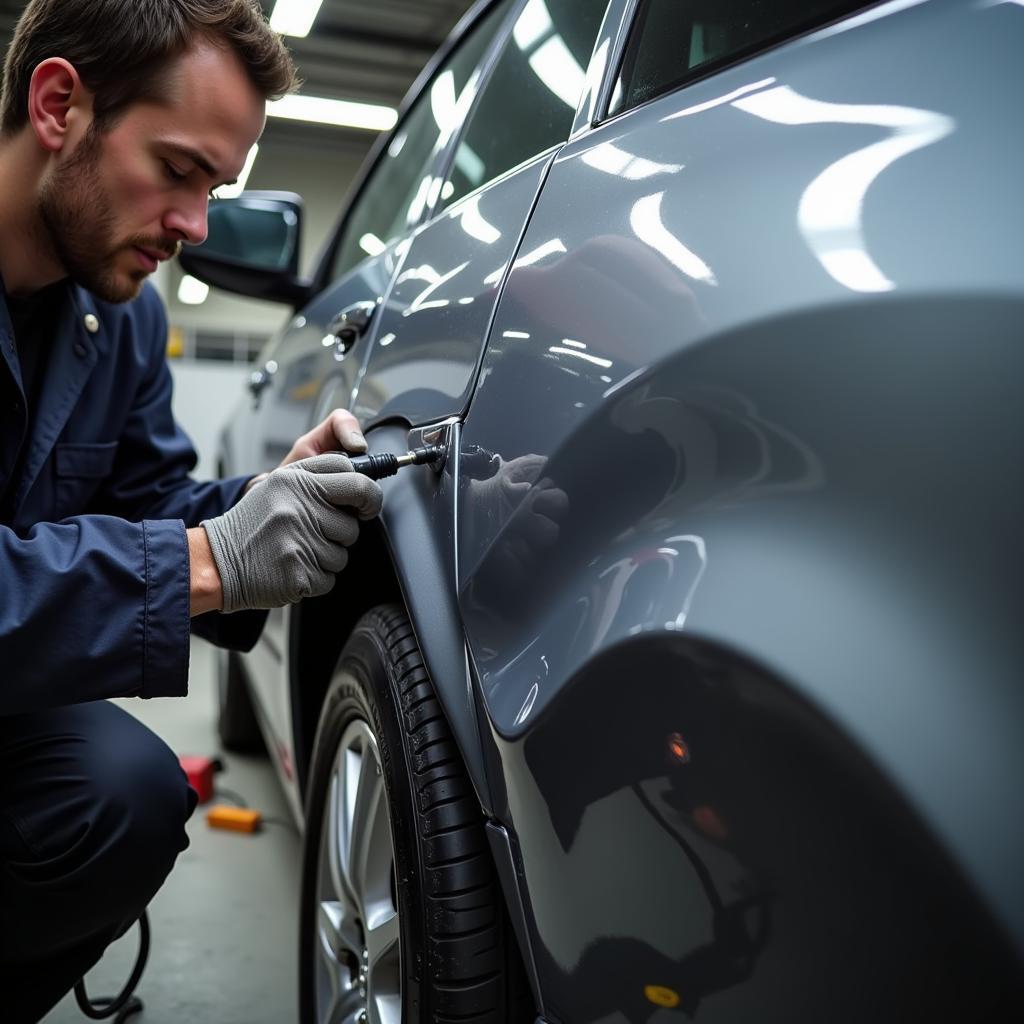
{"points": [[252, 247]]}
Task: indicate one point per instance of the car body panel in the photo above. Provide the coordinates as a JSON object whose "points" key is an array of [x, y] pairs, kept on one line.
{"points": [[770, 871], [417, 523], [728, 528], [433, 324], [771, 388]]}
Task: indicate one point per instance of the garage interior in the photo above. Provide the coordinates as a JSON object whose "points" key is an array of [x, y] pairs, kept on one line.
{"points": [[681, 681], [224, 926]]}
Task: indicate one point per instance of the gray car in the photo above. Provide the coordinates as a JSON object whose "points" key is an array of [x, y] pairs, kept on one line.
{"points": [[690, 685]]}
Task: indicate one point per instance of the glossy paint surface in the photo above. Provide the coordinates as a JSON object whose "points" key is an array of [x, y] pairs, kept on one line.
{"points": [[433, 325], [733, 525], [749, 383], [748, 862]]}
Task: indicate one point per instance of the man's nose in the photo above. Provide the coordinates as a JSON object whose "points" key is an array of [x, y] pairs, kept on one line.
{"points": [[187, 220]]}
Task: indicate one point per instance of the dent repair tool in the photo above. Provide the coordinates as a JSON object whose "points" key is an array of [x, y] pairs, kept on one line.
{"points": [[376, 467]]}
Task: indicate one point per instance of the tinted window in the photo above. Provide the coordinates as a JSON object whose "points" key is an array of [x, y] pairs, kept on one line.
{"points": [[397, 192], [530, 100], [676, 40]]}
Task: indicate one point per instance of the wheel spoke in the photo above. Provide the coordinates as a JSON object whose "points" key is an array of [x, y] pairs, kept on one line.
{"points": [[336, 837], [358, 969], [385, 1009], [330, 925], [382, 941], [346, 1009], [368, 815], [384, 951], [339, 935]]}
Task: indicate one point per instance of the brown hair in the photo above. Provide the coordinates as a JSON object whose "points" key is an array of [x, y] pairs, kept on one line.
{"points": [[122, 48]]}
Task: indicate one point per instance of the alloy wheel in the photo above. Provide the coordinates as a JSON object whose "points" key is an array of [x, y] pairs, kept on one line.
{"points": [[358, 964]]}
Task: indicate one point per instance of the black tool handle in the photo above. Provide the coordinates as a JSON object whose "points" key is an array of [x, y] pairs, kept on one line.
{"points": [[376, 467]]}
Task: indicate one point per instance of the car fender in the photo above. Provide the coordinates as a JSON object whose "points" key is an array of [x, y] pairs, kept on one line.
{"points": [[822, 494]]}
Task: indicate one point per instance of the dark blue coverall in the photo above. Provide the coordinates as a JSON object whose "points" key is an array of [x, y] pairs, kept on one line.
{"points": [[94, 603]]}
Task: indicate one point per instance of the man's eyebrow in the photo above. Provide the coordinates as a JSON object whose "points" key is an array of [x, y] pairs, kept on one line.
{"points": [[199, 160]]}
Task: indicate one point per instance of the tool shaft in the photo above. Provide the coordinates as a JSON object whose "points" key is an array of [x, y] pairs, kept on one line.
{"points": [[379, 466]]}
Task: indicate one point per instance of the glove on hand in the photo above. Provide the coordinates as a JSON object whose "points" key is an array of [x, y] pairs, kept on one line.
{"points": [[287, 537]]}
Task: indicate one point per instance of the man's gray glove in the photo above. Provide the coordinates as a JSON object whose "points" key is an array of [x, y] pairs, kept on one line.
{"points": [[286, 538]]}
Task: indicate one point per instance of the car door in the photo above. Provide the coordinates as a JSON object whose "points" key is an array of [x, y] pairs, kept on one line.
{"points": [[317, 361], [433, 324], [758, 283]]}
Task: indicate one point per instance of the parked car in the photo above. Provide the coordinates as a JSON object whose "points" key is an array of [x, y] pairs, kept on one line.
{"points": [[690, 685]]}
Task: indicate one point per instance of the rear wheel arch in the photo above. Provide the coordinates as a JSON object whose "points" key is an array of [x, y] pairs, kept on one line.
{"points": [[319, 628]]}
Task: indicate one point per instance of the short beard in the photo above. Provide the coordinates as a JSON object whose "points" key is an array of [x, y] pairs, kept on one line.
{"points": [[79, 223]]}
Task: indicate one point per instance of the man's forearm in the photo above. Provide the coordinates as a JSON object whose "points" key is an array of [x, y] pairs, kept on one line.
{"points": [[205, 593]]}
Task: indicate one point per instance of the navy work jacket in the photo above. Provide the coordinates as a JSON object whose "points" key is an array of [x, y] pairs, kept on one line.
{"points": [[94, 564]]}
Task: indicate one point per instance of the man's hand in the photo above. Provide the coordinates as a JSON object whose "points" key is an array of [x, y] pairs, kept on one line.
{"points": [[286, 539], [339, 432]]}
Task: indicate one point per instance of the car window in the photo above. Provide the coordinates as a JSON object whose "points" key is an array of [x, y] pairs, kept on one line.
{"points": [[398, 189], [529, 101], [674, 41]]}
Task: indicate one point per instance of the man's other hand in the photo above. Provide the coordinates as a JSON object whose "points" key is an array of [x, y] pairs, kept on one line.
{"points": [[339, 432]]}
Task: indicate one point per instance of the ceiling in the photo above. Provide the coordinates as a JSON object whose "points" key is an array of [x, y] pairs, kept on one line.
{"points": [[368, 50]]}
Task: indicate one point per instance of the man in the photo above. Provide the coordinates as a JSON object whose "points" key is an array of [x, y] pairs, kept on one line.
{"points": [[118, 119]]}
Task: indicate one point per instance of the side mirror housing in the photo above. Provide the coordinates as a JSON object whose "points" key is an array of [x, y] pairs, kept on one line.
{"points": [[252, 247]]}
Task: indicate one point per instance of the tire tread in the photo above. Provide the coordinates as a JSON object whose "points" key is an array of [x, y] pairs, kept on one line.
{"points": [[454, 850]]}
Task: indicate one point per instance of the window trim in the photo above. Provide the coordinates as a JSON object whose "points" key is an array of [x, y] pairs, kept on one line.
{"points": [[633, 20], [616, 30], [323, 276], [490, 65]]}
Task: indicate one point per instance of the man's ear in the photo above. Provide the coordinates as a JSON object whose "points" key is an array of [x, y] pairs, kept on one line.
{"points": [[57, 99]]}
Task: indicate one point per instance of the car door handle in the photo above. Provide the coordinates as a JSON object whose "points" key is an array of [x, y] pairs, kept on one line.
{"points": [[348, 327], [259, 380]]}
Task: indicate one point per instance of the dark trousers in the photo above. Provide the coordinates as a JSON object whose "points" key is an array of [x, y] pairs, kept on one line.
{"points": [[92, 813]]}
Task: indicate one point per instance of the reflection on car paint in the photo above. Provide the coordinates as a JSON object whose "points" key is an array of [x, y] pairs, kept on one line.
{"points": [[830, 209]]}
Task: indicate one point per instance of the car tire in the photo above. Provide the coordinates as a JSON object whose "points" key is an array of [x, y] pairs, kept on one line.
{"points": [[395, 837], [237, 726]]}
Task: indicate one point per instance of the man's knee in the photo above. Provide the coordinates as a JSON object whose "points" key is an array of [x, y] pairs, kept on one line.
{"points": [[140, 801], [107, 819]]}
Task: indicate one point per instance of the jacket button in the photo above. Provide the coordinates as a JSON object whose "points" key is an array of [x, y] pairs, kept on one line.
{"points": [[92, 324]]}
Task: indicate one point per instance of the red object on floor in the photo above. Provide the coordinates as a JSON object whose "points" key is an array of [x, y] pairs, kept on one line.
{"points": [[200, 772]]}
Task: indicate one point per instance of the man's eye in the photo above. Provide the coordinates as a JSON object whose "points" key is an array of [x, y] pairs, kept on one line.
{"points": [[173, 173]]}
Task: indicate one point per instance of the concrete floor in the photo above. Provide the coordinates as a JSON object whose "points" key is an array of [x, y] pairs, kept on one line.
{"points": [[224, 926]]}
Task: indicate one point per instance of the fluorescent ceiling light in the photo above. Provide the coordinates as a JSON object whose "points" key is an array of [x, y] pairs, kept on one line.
{"points": [[233, 191], [294, 17], [343, 113], [192, 291]]}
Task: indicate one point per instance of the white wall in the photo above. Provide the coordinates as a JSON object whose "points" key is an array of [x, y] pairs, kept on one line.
{"points": [[204, 395]]}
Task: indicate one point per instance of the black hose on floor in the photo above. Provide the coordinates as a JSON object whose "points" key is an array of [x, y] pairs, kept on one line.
{"points": [[126, 1004]]}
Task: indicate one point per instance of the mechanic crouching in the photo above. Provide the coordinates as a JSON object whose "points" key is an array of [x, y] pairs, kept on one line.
{"points": [[118, 119]]}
